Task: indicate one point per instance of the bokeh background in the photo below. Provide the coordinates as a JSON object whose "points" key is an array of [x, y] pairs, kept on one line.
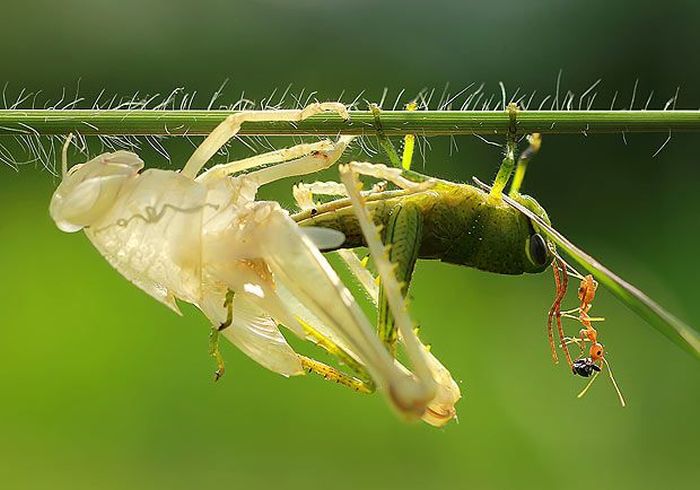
{"points": [[102, 387]]}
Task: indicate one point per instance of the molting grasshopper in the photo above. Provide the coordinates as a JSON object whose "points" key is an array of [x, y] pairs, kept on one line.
{"points": [[206, 240]]}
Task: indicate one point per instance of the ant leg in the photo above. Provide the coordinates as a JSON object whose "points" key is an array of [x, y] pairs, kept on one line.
{"points": [[535, 141], [561, 281], [564, 286], [554, 310], [230, 126]]}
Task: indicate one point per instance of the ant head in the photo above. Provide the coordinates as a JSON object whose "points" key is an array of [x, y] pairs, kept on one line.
{"points": [[584, 367], [88, 190], [597, 352]]}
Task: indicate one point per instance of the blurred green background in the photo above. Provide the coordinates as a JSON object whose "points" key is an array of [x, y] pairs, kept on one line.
{"points": [[102, 387]]}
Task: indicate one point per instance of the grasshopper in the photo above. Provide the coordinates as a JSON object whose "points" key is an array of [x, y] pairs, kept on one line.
{"points": [[455, 223], [472, 226]]}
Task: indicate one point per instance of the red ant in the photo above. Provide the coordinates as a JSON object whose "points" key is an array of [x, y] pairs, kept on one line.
{"points": [[583, 366]]}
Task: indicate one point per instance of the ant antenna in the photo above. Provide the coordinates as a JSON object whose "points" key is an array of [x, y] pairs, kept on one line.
{"points": [[614, 383], [617, 388], [588, 385]]}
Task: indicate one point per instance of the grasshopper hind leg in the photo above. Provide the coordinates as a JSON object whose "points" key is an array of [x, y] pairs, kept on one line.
{"points": [[402, 235]]}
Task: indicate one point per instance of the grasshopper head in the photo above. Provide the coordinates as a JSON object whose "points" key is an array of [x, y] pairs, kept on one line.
{"points": [[88, 190], [538, 249]]}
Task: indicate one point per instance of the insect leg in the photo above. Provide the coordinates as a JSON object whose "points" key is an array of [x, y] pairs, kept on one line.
{"points": [[311, 163], [304, 197], [535, 141], [64, 155], [330, 373], [393, 175], [506, 168], [384, 141], [271, 157], [561, 280], [214, 337], [431, 375], [409, 140], [402, 236], [508, 163], [232, 124], [414, 349], [554, 310], [304, 193], [299, 268], [216, 354]]}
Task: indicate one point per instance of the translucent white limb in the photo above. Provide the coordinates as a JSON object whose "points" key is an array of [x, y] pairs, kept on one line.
{"points": [[363, 276], [304, 193], [391, 174], [64, 155], [314, 162], [304, 197], [441, 408], [230, 126], [299, 266], [272, 157], [415, 350]]}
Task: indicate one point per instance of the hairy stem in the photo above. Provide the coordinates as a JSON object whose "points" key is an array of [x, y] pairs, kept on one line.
{"points": [[394, 123]]}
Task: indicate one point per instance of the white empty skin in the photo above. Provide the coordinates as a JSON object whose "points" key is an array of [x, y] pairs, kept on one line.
{"points": [[180, 236]]}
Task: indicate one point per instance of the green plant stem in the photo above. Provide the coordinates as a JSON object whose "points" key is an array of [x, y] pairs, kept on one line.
{"points": [[424, 123]]}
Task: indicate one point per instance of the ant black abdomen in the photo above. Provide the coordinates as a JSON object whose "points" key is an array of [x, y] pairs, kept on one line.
{"points": [[584, 367]]}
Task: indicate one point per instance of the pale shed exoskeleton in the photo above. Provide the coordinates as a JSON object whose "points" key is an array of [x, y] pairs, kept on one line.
{"points": [[441, 409], [246, 264]]}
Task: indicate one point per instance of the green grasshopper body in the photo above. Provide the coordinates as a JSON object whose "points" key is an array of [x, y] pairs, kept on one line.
{"points": [[454, 223]]}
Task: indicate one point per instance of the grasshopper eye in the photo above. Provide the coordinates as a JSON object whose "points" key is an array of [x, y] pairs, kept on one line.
{"points": [[538, 250]]}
